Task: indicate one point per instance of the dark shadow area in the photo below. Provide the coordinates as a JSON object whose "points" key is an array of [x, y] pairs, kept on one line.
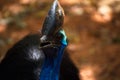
{"points": [[68, 70]]}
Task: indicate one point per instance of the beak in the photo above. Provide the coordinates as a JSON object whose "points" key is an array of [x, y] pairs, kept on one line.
{"points": [[53, 22]]}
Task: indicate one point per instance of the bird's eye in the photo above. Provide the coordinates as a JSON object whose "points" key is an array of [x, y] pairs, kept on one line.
{"points": [[59, 36]]}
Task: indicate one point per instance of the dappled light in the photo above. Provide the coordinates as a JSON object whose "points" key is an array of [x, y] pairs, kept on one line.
{"points": [[87, 72], [92, 28], [70, 2], [15, 9], [104, 14], [27, 1], [2, 28]]}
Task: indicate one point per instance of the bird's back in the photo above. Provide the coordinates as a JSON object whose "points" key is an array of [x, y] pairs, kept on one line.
{"points": [[23, 61]]}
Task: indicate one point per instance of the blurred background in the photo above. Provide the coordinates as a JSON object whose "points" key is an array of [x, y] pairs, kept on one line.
{"points": [[92, 27]]}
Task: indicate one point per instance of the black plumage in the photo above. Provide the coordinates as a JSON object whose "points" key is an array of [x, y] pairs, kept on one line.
{"points": [[26, 68], [25, 60], [20, 62]]}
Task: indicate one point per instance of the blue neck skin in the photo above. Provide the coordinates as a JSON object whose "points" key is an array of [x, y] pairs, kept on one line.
{"points": [[51, 66]]}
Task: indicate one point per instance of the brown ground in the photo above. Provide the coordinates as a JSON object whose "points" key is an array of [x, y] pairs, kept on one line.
{"points": [[94, 41]]}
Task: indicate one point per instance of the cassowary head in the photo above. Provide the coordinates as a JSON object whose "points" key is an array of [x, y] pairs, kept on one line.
{"points": [[52, 31], [52, 42]]}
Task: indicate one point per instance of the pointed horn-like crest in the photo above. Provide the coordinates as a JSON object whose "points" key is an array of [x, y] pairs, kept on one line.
{"points": [[54, 20]]}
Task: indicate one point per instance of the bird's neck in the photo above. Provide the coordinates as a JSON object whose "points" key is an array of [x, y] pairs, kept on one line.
{"points": [[51, 66]]}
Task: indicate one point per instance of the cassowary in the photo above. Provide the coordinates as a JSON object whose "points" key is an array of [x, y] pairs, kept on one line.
{"points": [[38, 56]]}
